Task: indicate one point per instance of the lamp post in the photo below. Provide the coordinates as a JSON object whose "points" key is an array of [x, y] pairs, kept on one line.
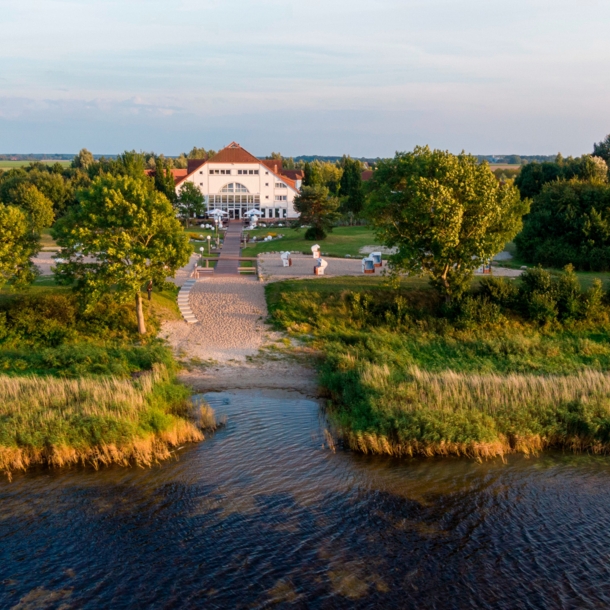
{"points": [[209, 240], [201, 250]]}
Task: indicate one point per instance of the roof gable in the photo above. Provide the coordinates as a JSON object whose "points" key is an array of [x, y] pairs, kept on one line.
{"points": [[234, 153]]}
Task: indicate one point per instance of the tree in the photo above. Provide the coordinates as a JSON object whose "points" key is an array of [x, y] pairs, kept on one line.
{"points": [[318, 210], [15, 246], [602, 149], [83, 160], [534, 176], [200, 153], [569, 223], [164, 180], [445, 214], [352, 192], [21, 222], [190, 202], [123, 234]]}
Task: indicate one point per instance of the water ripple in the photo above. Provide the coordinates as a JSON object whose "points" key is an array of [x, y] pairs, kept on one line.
{"points": [[262, 514]]}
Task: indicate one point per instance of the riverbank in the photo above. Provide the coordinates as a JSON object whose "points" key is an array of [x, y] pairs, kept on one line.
{"points": [[404, 378], [84, 387], [60, 422]]}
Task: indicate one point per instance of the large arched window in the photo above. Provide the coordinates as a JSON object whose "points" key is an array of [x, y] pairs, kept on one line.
{"points": [[234, 187]]}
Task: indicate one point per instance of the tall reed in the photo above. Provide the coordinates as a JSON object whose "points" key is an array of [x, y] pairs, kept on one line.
{"points": [[51, 421], [478, 415]]}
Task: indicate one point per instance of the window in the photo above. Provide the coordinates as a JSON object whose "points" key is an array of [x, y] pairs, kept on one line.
{"points": [[266, 173], [266, 184], [234, 187], [221, 171], [201, 172], [280, 185], [277, 212], [266, 196], [281, 198], [263, 210]]}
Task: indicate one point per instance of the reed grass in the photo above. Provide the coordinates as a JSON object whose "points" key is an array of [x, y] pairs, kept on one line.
{"points": [[97, 421], [403, 380], [474, 415]]}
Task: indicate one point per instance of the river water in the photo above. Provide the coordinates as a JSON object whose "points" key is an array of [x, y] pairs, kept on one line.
{"points": [[263, 513]]}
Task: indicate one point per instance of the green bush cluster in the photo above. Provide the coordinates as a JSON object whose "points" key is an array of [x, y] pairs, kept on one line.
{"points": [[51, 334], [540, 297], [568, 223]]}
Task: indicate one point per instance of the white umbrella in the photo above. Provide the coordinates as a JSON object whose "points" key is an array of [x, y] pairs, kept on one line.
{"points": [[252, 213], [216, 212]]}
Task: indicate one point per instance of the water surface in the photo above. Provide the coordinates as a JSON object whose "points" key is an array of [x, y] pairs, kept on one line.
{"points": [[262, 513]]}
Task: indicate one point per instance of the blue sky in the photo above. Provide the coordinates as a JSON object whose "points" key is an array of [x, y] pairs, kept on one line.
{"points": [[322, 76]]}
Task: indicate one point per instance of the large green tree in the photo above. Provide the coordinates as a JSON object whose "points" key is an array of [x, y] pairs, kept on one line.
{"points": [[569, 223], [352, 193], [602, 149], [190, 202], [123, 234], [164, 179], [445, 215], [318, 209], [21, 222]]}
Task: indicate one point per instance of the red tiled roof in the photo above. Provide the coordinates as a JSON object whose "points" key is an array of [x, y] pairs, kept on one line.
{"points": [[234, 153], [367, 174], [193, 164], [293, 174], [178, 174], [275, 165]]}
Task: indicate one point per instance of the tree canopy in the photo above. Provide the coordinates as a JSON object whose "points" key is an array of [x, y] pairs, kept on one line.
{"points": [[534, 176], [190, 202], [318, 209], [569, 223], [124, 233], [444, 214], [602, 149], [21, 222], [352, 193]]}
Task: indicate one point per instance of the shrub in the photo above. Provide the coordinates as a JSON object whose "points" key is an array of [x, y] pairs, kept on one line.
{"points": [[315, 233], [477, 311], [499, 290]]}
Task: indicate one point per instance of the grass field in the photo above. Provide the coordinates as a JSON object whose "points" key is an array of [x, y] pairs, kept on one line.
{"points": [[342, 241], [406, 379], [16, 164]]}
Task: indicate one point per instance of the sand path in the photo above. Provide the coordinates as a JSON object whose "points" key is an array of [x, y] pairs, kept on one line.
{"points": [[230, 311]]}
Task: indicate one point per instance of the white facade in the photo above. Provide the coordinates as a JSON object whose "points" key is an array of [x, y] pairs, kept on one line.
{"points": [[234, 181]]}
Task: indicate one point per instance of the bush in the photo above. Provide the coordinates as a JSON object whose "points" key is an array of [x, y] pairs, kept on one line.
{"points": [[476, 311], [499, 290], [314, 234]]}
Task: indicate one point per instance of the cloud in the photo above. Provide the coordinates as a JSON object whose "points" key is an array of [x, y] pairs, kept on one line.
{"points": [[434, 70]]}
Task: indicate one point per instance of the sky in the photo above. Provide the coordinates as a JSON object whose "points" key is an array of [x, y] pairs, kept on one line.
{"points": [[327, 77]]}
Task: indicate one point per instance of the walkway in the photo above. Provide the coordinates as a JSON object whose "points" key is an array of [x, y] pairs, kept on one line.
{"points": [[230, 311], [231, 247]]}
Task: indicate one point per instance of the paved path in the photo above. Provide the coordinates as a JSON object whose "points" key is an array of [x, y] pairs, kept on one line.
{"points": [[230, 247]]}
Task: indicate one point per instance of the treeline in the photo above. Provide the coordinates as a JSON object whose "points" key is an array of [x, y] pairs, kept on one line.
{"points": [[569, 219], [515, 159]]}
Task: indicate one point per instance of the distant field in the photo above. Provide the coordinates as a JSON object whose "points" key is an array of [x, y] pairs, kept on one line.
{"points": [[14, 164], [504, 166]]}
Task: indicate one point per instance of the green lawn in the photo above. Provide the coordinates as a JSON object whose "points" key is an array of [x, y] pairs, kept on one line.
{"points": [[342, 241], [586, 277], [16, 164]]}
